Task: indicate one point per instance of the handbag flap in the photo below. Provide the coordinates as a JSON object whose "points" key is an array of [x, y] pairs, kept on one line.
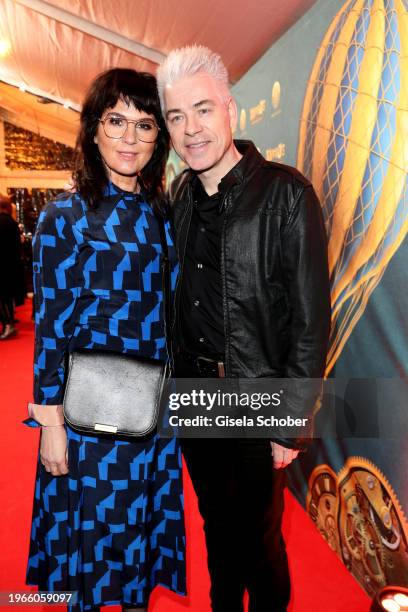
{"points": [[115, 393]]}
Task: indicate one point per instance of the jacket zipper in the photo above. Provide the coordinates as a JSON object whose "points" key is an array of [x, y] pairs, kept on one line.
{"points": [[224, 281], [180, 275]]}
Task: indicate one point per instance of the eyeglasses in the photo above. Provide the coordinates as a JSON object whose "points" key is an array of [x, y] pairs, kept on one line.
{"points": [[115, 126]]}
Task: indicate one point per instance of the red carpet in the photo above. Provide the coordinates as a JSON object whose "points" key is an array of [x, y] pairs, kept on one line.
{"points": [[320, 581]]}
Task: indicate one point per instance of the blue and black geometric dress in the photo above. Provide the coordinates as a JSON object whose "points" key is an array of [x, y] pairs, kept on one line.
{"points": [[113, 528]]}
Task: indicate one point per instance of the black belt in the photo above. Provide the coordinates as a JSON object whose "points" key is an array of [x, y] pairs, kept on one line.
{"points": [[204, 365]]}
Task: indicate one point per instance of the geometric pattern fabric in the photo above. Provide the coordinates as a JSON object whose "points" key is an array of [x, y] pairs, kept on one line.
{"points": [[112, 529], [97, 283]]}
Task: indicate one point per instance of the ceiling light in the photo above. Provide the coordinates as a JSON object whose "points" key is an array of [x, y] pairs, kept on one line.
{"points": [[5, 47]]}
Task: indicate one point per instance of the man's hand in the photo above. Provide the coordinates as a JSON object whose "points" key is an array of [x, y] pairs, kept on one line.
{"points": [[53, 450], [282, 456]]}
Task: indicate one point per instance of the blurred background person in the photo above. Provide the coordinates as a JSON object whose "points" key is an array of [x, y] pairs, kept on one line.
{"points": [[10, 268]]}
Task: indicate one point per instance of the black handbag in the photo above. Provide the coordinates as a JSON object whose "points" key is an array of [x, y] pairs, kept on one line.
{"points": [[115, 393]]}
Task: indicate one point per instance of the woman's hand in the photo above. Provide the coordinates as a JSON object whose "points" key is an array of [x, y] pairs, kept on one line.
{"points": [[53, 450]]}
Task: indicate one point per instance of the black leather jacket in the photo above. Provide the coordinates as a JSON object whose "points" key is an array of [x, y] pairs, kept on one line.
{"points": [[276, 294]]}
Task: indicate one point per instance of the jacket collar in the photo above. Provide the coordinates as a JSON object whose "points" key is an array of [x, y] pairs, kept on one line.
{"points": [[243, 170]]}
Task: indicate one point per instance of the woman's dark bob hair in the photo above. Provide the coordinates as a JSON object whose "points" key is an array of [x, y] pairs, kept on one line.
{"points": [[139, 89]]}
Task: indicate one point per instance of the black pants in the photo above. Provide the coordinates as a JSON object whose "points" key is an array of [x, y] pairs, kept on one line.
{"points": [[240, 498]]}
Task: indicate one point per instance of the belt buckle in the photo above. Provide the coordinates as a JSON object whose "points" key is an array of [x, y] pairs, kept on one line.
{"points": [[200, 364], [218, 366]]}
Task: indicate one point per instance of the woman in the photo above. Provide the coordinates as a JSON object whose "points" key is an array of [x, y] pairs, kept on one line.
{"points": [[108, 516]]}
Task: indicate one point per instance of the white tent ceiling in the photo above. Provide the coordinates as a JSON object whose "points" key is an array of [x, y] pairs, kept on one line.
{"points": [[54, 49]]}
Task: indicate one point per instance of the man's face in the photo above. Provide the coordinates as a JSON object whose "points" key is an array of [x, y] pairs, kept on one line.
{"points": [[200, 118]]}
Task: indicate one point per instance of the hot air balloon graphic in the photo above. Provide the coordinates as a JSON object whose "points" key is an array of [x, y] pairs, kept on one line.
{"points": [[353, 145]]}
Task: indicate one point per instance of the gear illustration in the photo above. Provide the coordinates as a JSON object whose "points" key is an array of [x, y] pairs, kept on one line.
{"points": [[359, 515], [322, 504], [361, 542]]}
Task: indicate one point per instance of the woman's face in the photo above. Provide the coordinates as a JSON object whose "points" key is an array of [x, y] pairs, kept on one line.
{"points": [[124, 157]]}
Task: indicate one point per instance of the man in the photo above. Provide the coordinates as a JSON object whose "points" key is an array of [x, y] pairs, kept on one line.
{"points": [[252, 301]]}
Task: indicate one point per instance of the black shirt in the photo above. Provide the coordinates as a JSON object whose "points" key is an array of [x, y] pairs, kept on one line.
{"points": [[201, 304]]}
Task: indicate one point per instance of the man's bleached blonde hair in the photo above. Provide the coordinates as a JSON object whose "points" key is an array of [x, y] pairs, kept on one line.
{"points": [[187, 61]]}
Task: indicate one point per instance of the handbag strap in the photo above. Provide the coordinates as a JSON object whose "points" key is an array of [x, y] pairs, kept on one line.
{"points": [[165, 265]]}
